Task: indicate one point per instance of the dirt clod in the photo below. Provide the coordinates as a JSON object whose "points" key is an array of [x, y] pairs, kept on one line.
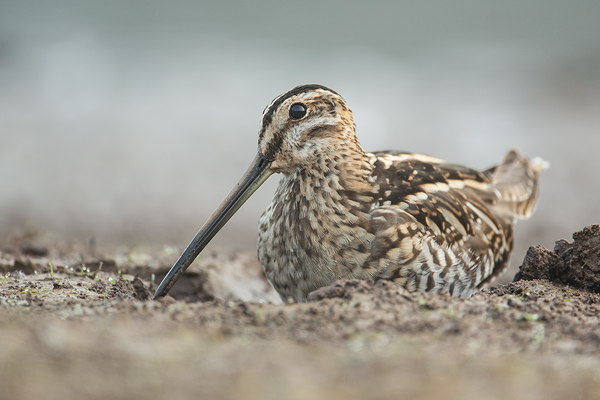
{"points": [[576, 264], [342, 288], [98, 287], [33, 249], [62, 285], [140, 291]]}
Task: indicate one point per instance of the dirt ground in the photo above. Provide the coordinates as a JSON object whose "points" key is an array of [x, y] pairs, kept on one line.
{"points": [[77, 323]]}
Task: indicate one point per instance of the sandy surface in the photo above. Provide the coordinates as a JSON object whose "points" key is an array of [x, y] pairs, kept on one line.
{"points": [[85, 329]]}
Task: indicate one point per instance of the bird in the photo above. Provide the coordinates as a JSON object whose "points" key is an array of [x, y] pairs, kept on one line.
{"points": [[342, 213]]}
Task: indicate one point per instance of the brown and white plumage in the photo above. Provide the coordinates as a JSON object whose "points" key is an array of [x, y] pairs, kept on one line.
{"points": [[340, 212]]}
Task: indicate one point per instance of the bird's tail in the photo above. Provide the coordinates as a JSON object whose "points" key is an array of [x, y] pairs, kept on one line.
{"points": [[516, 181]]}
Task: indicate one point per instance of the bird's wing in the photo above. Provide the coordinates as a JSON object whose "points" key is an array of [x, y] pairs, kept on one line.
{"points": [[434, 224]]}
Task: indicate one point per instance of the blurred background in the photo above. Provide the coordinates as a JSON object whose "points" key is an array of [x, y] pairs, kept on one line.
{"points": [[129, 122]]}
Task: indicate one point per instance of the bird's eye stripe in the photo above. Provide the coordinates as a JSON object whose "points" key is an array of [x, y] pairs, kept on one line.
{"points": [[317, 132]]}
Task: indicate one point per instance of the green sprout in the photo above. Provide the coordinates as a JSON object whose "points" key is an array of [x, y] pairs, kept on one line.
{"points": [[531, 317], [5, 277], [51, 270], [100, 266]]}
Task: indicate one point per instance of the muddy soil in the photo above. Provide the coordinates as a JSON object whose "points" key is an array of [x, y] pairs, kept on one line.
{"points": [[77, 323]]}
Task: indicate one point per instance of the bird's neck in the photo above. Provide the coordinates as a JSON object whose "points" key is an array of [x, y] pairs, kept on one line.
{"points": [[337, 184]]}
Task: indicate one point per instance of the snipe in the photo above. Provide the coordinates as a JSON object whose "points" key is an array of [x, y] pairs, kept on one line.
{"points": [[340, 212]]}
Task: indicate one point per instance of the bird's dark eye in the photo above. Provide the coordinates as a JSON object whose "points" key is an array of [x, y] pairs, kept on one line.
{"points": [[297, 111]]}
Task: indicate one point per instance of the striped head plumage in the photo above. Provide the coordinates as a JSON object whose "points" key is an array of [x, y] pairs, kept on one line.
{"points": [[340, 212], [300, 123]]}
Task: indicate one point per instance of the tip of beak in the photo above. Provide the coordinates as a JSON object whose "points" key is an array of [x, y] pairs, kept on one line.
{"points": [[256, 174]]}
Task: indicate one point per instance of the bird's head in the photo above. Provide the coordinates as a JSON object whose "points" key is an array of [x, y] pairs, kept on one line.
{"points": [[297, 129], [301, 125]]}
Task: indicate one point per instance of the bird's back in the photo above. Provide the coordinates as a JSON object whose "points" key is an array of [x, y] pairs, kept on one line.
{"points": [[444, 227]]}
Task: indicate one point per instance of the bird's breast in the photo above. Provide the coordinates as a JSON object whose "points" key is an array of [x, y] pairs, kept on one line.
{"points": [[309, 238]]}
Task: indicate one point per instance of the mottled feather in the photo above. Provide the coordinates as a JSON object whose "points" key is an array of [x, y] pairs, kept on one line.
{"points": [[339, 212]]}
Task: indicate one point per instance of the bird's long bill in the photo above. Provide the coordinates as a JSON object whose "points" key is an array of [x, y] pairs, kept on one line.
{"points": [[256, 175]]}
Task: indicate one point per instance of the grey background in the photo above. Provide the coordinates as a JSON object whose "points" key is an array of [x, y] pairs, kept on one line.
{"points": [[130, 121]]}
